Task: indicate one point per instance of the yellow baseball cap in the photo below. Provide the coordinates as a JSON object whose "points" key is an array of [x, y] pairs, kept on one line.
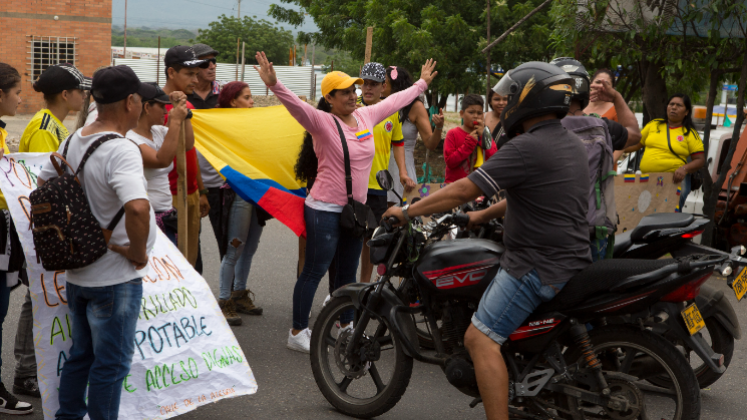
{"points": [[338, 80]]}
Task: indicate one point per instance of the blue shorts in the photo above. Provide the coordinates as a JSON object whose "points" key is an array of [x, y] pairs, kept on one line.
{"points": [[508, 302]]}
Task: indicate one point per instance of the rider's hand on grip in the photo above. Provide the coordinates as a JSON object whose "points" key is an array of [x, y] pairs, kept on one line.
{"points": [[461, 220]]}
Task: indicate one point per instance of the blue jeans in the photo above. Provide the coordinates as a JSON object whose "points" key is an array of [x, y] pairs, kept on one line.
{"points": [[324, 241], [4, 303], [509, 301], [243, 236], [103, 322], [599, 249], [685, 191]]}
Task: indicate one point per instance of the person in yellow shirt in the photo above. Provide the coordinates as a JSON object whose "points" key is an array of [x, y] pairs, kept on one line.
{"points": [[387, 138], [62, 86], [12, 256], [673, 144]]}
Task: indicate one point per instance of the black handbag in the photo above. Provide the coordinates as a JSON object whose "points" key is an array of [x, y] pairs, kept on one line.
{"points": [[696, 179], [357, 219]]}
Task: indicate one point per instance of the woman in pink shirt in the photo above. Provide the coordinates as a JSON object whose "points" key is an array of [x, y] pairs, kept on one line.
{"points": [[324, 238]]}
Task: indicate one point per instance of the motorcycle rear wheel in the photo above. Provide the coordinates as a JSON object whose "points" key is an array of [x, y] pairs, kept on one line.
{"points": [[643, 354], [372, 396]]}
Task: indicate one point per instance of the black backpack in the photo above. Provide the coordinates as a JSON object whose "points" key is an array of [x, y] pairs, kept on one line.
{"points": [[66, 233]]}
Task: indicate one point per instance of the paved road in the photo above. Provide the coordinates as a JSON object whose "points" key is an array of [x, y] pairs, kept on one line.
{"points": [[286, 385]]}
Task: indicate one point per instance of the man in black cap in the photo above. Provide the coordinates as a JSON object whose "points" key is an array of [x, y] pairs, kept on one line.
{"points": [[104, 297], [182, 68], [205, 94]]}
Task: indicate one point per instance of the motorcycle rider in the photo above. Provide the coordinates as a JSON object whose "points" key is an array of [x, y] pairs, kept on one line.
{"points": [[601, 137], [544, 173]]}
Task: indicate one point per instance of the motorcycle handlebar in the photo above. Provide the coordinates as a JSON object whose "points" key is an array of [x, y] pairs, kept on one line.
{"points": [[461, 220]]}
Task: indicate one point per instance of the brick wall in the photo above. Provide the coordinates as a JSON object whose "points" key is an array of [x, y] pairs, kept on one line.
{"points": [[87, 20]]}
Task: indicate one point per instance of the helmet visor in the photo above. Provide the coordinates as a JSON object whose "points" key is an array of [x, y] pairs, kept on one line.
{"points": [[506, 85]]}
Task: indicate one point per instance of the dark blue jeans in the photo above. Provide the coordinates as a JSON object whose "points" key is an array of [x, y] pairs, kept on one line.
{"points": [[104, 320], [324, 241], [4, 303]]}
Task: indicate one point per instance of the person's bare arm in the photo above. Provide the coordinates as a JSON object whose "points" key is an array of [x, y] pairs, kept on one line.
{"points": [[697, 162], [419, 117], [451, 196], [165, 155], [399, 158], [603, 91], [137, 225], [484, 216], [633, 148], [204, 203]]}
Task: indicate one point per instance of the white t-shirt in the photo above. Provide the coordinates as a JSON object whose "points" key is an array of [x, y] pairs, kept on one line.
{"points": [[210, 177], [159, 192], [112, 177]]}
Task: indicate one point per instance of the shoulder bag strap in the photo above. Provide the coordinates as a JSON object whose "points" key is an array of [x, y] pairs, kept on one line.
{"points": [[67, 144], [348, 176], [669, 143], [92, 148]]}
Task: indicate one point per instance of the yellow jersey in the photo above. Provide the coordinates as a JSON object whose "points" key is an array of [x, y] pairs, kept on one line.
{"points": [[43, 134], [3, 136], [387, 134], [658, 157]]}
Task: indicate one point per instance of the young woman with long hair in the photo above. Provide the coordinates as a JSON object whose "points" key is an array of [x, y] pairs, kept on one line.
{"points": [[325, 238]]}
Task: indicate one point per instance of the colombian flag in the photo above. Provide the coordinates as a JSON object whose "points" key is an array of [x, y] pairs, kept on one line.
{"points": [[255, 150], [644, 178], [629, 178]]}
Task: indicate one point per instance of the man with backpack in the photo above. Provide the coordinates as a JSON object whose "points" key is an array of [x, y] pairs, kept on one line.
{"points": [[104, 295]]}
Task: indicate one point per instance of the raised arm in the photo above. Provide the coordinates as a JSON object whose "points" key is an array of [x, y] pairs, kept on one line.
{"points": [[305, 114], [377, 113], [419, 116]]}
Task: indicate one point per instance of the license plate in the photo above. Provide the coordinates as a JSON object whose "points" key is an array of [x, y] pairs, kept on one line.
{"points": [[693, 319], [739, 285]]}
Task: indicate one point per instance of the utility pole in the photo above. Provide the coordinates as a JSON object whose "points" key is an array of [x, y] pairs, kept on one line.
{"points": [[239, 11], [124, 53]]}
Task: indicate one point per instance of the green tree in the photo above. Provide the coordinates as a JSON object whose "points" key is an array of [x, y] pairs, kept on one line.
{"points": [[407, 33], [259, 35]]}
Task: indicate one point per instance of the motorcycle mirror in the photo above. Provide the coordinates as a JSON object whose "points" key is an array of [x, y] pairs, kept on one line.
{"points": [[384, 178]]}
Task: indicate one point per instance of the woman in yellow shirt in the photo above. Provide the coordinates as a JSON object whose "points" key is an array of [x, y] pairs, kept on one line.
{"points": [[10, 91], [670, 141]]}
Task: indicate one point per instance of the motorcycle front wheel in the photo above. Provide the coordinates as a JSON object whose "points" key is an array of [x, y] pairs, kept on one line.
{"points": [[641, 356], [361, 387]]}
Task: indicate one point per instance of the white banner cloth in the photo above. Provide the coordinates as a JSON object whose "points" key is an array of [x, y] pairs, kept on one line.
{"points": [[185, 353]]}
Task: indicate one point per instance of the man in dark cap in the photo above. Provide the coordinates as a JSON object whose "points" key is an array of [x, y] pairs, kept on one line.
{"points": [[182, 68], [205, 96], [104, 297]]}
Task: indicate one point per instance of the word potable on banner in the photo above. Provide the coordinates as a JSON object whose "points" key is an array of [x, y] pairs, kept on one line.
{"points": [[185, 353]]}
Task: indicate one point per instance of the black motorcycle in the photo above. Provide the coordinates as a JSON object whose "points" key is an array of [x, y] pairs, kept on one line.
{"points": [[557, 368], [656, 236], [672, 233]]}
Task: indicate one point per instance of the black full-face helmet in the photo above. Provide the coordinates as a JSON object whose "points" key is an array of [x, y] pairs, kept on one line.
{"points": [[533, 89], [580, 76]]}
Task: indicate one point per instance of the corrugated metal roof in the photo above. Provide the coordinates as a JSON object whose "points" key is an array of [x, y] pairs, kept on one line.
{"points": [[298, 79]]}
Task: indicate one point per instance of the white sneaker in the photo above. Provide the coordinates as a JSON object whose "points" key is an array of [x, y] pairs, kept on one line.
{"points": [[300, 342], [326, 300], [343, 329]]}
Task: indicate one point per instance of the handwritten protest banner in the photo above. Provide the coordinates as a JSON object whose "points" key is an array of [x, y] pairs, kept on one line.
{"points": [[637, 196], [185, 353]]}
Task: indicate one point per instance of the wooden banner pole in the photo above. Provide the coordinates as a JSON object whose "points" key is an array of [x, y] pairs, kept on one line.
{"points": [[181, 192], [369, 43]]}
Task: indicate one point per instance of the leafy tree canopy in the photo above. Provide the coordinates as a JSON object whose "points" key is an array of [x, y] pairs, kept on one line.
{"points": [[259, 35], [407, 33]]}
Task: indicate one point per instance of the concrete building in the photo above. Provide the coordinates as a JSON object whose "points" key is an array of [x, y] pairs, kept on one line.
{"points": [[40, 33]]}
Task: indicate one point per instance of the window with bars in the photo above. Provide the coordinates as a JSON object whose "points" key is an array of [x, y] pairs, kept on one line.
{"points": [[45, 51]]}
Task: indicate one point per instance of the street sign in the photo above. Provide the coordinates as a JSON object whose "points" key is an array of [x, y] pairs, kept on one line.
{"points": [[730, 88]]}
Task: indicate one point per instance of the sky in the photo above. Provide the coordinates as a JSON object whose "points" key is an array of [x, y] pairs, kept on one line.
{"points": [[191, 14]]}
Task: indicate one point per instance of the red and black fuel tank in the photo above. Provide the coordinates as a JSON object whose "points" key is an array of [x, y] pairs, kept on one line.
{"points": [[458, 268]]}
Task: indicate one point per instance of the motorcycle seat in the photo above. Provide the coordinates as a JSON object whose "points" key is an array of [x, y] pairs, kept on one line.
{"points": [[660, 221], [622, 243], [600, 277]]}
